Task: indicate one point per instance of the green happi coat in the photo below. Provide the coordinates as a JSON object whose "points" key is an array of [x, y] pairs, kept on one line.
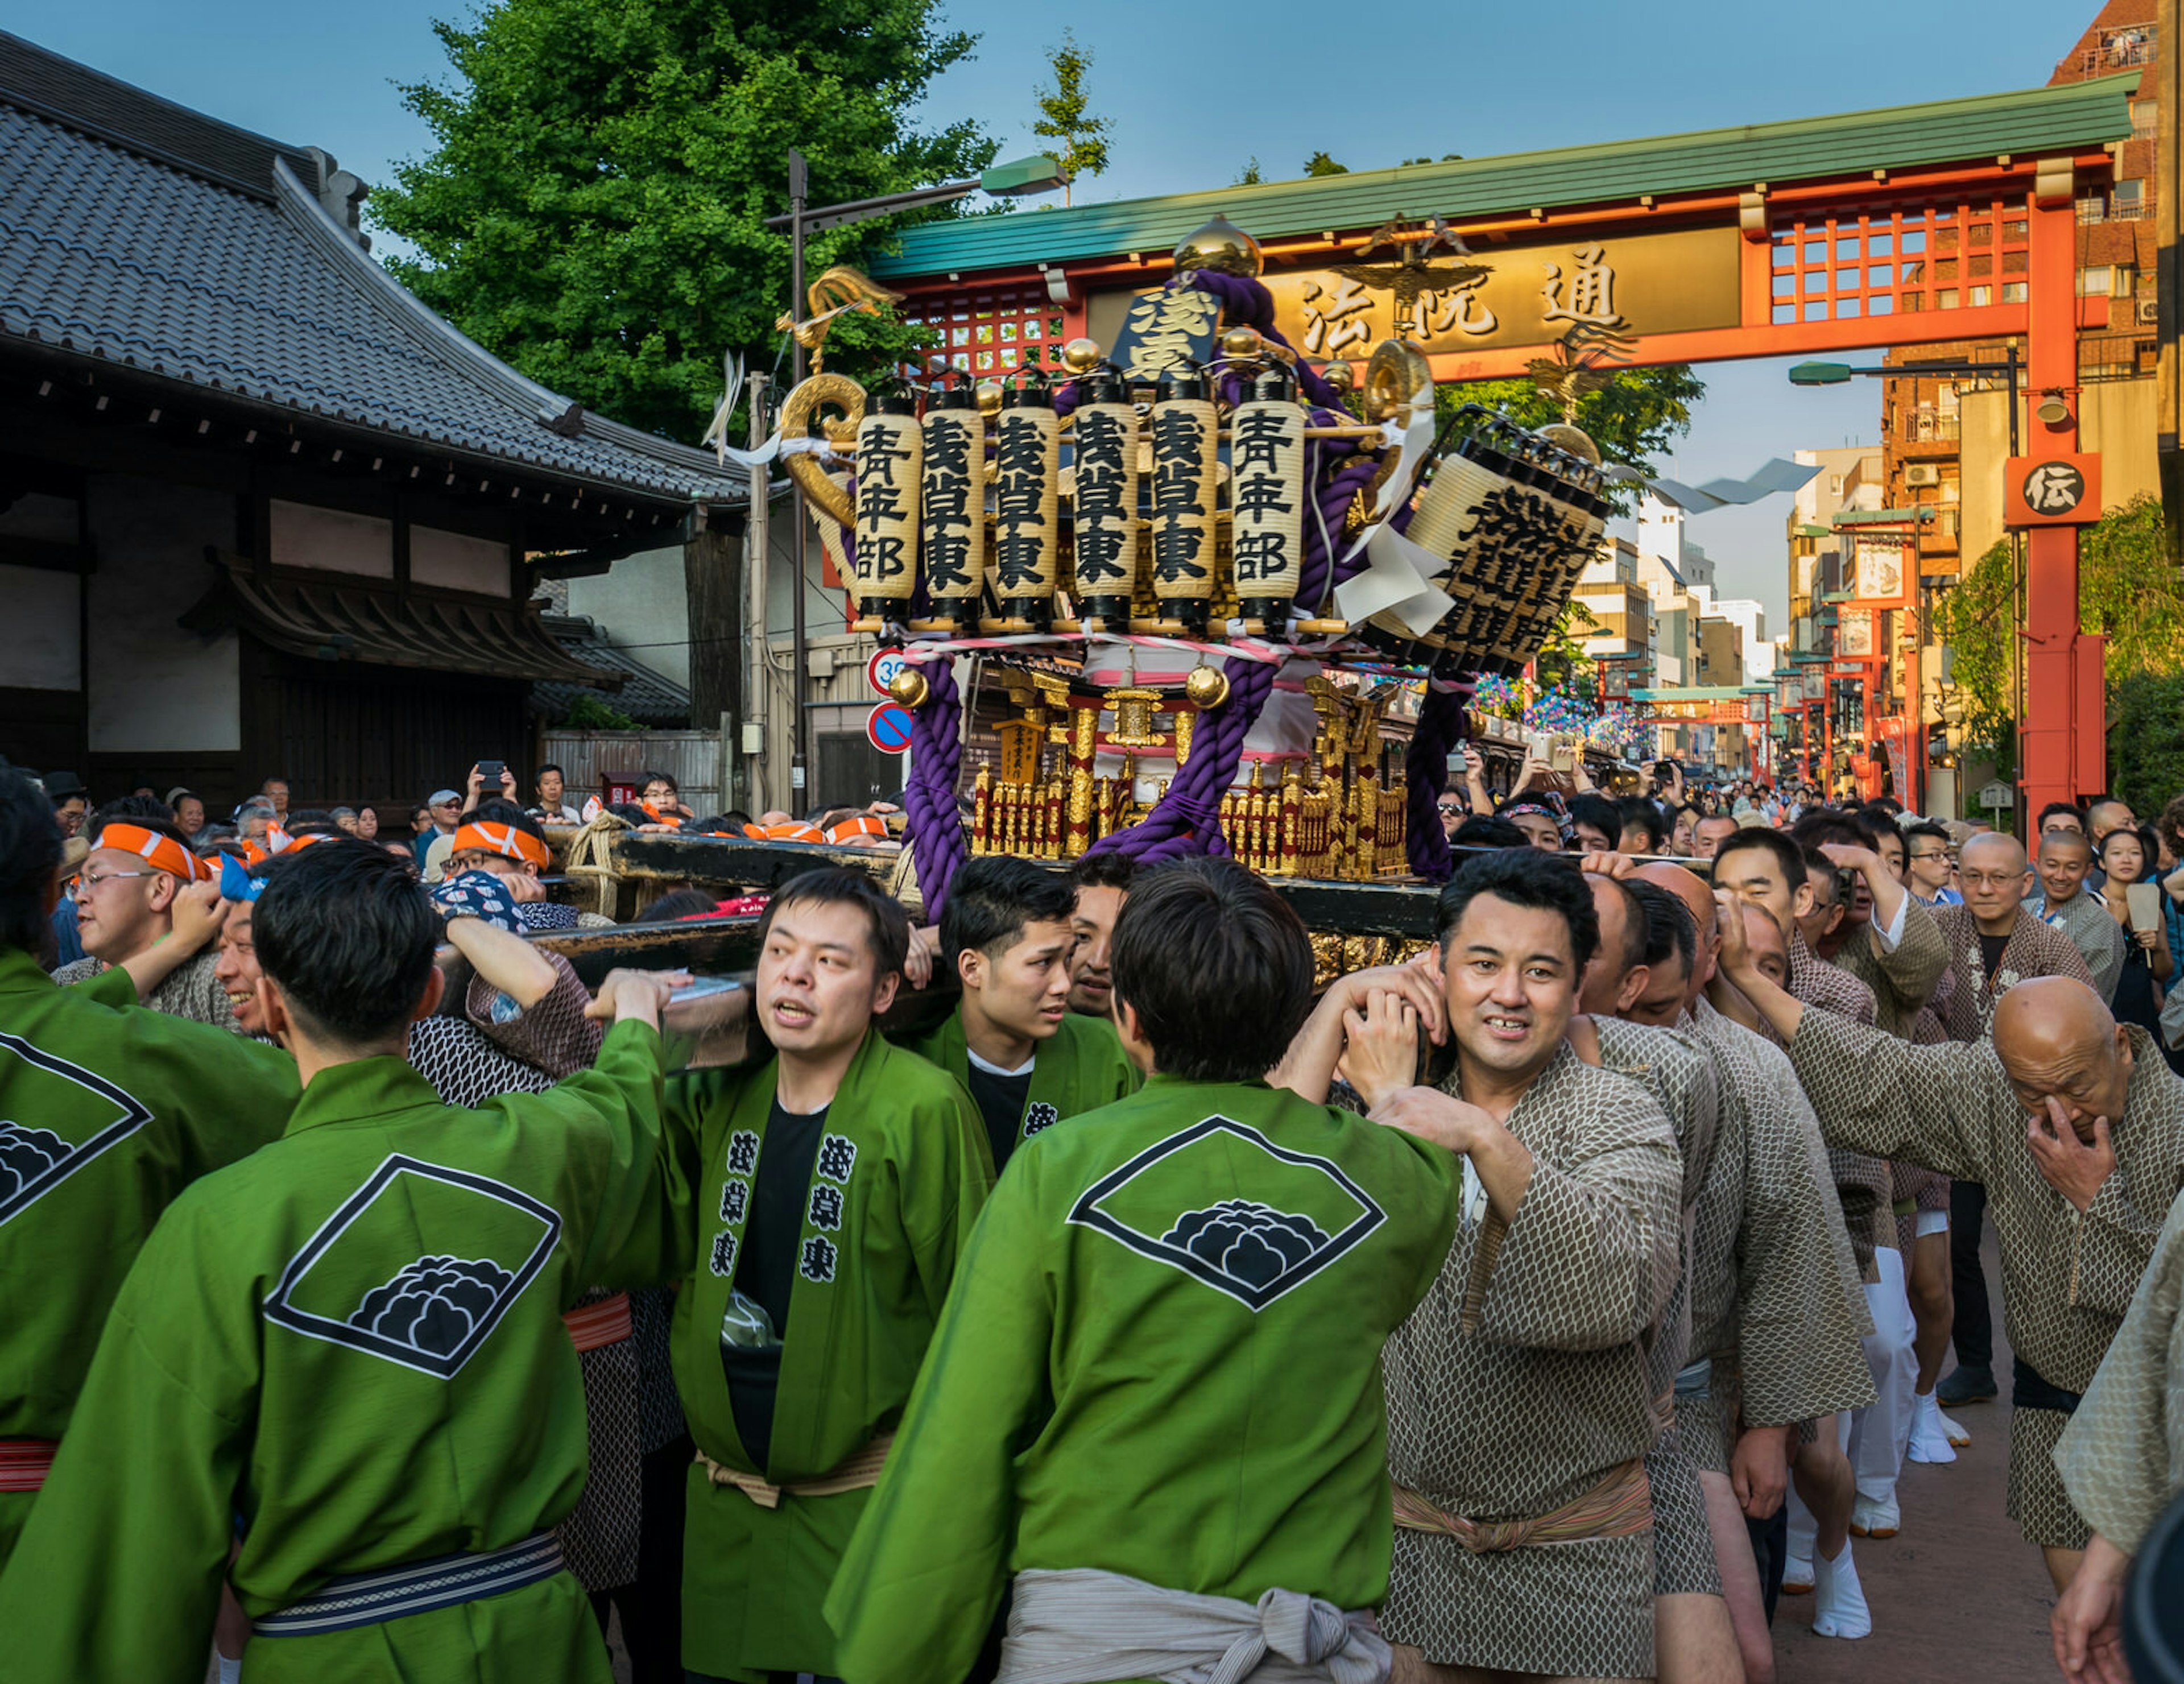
{"points": [[1080, 1067], [900, 1174], [349, 1346], [107, 1112], [1162, 1359]]}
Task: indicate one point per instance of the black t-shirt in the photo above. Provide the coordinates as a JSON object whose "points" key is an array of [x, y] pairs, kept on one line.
{"points": [[766, 1271], [1991, 947], [1001, 1100]]}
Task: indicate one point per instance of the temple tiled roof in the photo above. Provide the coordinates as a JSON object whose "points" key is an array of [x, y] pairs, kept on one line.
{"points": [[139, 233]]}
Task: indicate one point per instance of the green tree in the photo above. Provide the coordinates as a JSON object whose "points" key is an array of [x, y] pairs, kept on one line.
{"points": [[1065, 114], [2128, 590], [593, 208], [1977, 619], [1248, 176], [1319, 163], [1633, 418], [2146, 739], [2128, 594]]}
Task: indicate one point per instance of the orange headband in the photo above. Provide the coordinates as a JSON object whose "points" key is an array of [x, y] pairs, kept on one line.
{"points": [[783, 832], [163, 853], [486, 837], [864, 824]]}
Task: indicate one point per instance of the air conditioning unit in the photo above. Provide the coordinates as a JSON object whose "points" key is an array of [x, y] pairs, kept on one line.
{"points": [[1922, 473], [2149, 310]]}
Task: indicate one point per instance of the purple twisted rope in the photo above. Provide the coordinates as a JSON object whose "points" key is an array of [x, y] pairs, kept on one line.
{"points": [[1425, 769], [934, 821], [1186, 820]]}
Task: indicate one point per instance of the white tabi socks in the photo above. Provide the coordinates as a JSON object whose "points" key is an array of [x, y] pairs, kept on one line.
{"points": [[1839, 1608], [1930, 1432]]}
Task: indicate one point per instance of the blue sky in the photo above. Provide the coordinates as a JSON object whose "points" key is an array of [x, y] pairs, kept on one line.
{"points": [[1194, 91]]}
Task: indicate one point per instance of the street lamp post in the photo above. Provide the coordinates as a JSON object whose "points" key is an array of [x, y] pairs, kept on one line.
{"points": [[1037, 174]]}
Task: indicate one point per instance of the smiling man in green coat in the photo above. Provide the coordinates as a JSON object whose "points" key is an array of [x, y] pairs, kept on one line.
{"points": [[1026, 1059], [813, 1205], [108, 1111], [1155, 1396], [348, 1349]]}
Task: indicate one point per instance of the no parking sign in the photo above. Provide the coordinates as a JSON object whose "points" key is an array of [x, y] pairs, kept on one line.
{"points": [[889, 728]]}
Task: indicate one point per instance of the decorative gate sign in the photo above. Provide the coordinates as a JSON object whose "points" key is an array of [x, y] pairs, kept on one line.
{"points": [[880, 669], [2051, 490], [889, 728]]}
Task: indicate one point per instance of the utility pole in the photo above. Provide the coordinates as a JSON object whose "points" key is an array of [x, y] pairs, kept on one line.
{"points": [[800, 188], [2168, 78], [757, 671], [1034, 175]]}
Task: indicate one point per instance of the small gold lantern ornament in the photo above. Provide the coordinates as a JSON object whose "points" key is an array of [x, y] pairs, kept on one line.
{"points": [[1244, 344], [1219, 244], [910, 687], [1081, 356], [1206, 687], [1574, 439], [989, 398]]}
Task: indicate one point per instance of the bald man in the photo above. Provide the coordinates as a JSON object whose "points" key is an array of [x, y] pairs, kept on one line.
{"points": [[1994, 942], [2066, 904], [1777, 1312], [2075, 1128]]}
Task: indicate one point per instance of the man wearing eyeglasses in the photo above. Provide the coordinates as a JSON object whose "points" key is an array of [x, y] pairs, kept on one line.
{"points": [[144, 902], [1928, 867]]}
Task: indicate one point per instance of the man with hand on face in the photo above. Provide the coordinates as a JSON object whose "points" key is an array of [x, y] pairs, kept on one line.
{"points": [[1103, 883], [2067, 905], [377, 1293], [1994, 942], [1568, 1258], [2076, 1129], [1025, 1059], [814, 1205]]}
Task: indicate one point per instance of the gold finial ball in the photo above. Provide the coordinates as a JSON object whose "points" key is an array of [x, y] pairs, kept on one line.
{"points": [[989, 397], [1244, 343], [1574, 439], [908, 687], [1207, 686], [1082, 356], [1219, 244], [1341, 377]]}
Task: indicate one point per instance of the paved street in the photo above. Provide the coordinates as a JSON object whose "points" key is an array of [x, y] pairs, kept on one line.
{"points": [[1957, 1593]]}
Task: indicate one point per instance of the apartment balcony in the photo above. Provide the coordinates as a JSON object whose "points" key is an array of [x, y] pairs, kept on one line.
{"points": [[2118, 49]]}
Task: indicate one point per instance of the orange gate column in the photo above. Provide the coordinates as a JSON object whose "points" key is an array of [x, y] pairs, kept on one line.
{"points": [[2062, 735]]}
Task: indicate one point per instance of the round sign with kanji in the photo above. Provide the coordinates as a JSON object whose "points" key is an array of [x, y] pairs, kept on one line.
{"points": [[880, 669], [2051, 490], [2054, 489], [889, 728]]}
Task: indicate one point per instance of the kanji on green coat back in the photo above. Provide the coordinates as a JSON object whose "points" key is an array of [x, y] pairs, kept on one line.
{"points": [[107, 1112], [348, 1346], [1162, 1358]]}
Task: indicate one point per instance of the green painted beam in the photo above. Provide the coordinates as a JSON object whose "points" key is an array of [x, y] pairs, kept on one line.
{"points": [[2029, 123]]}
